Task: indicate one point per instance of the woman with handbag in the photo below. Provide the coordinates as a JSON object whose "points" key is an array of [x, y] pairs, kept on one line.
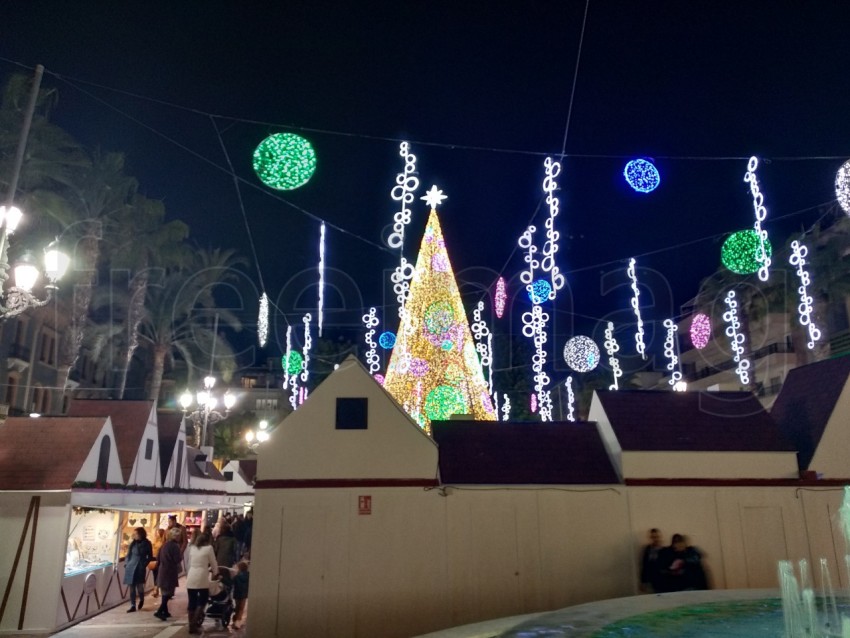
{"points": [[139, 554], [170, 560]]}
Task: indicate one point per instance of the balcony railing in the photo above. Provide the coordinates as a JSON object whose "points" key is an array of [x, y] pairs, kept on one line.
{"points": [[691, 374]]}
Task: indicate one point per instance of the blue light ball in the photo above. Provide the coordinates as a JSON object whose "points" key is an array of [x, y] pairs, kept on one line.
{"points": [[386, 340], [540, 290], [642, 175]]}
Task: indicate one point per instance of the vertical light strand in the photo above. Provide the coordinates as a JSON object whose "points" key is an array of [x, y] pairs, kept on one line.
{"points": [[571, 399], [506, 408], [534, 326], [500, 298], [406, 182], [305, 354], [671, 353], [736, 338], [804, 308], [370, 320], [550, 247], [762, 256], [483, 343], [631, 271], [321, 276], [287, 356], [291, 378], [612, 348], [263, 321]]}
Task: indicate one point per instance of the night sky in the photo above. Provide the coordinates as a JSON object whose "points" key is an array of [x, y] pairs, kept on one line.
{"points": [[482, 91]]}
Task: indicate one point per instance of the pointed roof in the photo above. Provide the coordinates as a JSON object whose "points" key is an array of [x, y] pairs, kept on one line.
{"points": [[806, 402], [434, 371], [499, 453], [129, 420], [46, 453], [168, 424], [657, 420], [194, 459]]}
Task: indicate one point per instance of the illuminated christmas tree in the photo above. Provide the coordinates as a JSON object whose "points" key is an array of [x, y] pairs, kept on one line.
{"points": [[434, 371]]}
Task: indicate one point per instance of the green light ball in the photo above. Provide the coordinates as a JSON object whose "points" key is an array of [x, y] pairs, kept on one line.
{"points": [[740, 252], [294, 364], [284, 161], [444, 401], [439, 317]]}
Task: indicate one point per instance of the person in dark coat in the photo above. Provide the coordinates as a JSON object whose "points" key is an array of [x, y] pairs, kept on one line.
{"points": [[139, 554], [225, 546], [650, 569], [681, 566], [170, 561]]}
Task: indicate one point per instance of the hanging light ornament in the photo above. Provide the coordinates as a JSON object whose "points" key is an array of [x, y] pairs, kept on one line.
{"points": [[581, 354], [631, 271], [670, 352], [540, 291], [370, 320], [842, 186], [321, 276], [483, 343], [571, 399], [740, 252], [291, 370], [736, 338], [284, 161], [612, 348], [533, 404], [292, 361], [506, 408], [762, 255], [305, 355], [700, 330], [406, 183], [386, 340], [642, 175], [500, 298], [263, 321], [550, 247], [804, 308]]}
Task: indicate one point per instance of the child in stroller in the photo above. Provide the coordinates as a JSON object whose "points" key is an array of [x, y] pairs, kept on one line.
{"points": [[220, 605]]}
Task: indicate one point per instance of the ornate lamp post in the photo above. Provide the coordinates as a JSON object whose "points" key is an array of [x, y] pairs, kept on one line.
{"points": [[205, 416], [260, 436], [19, 297]]}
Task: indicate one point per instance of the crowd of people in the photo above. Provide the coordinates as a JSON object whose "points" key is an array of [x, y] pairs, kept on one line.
{"points": [[208, 558], [675, 567]]}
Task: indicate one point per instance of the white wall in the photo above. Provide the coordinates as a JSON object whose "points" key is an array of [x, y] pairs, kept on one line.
{"points": [[307, 445], [48, 558], [146, 471], [88, 471], [710, 465], [830, 458]]}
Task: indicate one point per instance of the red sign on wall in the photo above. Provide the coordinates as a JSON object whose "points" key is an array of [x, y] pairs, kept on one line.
{"points": [[364, 505]]}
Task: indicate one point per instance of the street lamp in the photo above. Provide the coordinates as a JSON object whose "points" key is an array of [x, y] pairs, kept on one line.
{"points": [[19, 297], [260, 436], [205, 414]]}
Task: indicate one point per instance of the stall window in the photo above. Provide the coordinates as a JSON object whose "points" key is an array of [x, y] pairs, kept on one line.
{"points": [[351, 414], [148, 449], [103, 460]]}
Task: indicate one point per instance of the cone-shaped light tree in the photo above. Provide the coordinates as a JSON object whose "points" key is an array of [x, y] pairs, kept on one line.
{"points": [[434, 371]]}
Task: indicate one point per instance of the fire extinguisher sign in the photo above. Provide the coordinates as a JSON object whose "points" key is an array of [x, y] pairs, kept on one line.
{"points": [[364, 505]]}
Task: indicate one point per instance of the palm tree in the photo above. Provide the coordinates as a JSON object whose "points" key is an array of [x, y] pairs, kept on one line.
{"points": [[178, 314], [144, 246]]}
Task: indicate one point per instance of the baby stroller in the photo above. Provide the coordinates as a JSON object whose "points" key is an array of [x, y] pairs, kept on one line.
{"points": [[220, 605]]}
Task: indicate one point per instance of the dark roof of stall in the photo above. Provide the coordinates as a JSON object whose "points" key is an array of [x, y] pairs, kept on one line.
{"points": [[500, 453], [806, 402], [649, 420]]}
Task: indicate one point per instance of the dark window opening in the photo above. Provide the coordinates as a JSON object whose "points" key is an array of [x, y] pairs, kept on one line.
{"points": [[148, 449], [103, 460], [352, 414]]}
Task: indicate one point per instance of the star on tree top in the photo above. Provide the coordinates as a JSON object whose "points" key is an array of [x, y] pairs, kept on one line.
{"points": [[434, 197]]}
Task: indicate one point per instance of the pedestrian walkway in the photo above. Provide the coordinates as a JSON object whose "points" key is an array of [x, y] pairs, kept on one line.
{"points": [[143, 624]]}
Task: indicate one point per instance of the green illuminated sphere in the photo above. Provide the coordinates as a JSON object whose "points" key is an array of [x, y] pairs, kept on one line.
{"points": [[284, 161], [444, 401], [740, 252], [439, 317], [294, 364]]}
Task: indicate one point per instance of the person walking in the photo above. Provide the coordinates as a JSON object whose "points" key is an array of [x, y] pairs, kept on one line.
{"points": [[139, 554], [158, 542], [225, 546], [240, 591], [169, 561], [201, 560]]}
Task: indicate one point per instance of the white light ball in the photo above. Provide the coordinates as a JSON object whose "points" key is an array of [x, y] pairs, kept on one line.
{"points": [[581, 354]]}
